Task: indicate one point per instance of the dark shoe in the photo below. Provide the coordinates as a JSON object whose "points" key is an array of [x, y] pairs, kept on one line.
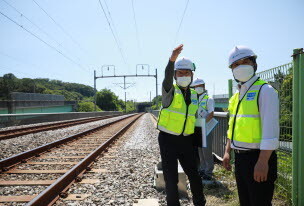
{"points": [[201, 173], [207, 177]]}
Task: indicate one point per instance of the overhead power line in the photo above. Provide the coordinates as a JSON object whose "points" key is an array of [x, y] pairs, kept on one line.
{"points": [[113, 34], [38, 27], [27, 75], [111, 19], [112, 23], [180, 24], [16, 59], [61, 27], [24, 62], [136, 29], [40, 39]]}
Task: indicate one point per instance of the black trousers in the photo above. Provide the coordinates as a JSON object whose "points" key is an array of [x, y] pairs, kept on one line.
{"points": [[173, 148], [252, 193]]}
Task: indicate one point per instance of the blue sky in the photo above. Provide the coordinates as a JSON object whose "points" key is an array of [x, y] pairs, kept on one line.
{"points": [[209, 31]]}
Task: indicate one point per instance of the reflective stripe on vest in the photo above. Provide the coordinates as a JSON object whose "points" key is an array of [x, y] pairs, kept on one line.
{"points": [[179, 118], [203, 101], [245, 128], [244, 115]]}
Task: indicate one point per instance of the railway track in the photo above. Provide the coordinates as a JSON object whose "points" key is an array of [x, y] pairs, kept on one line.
{"points": [[12, 133], [71, 156]]}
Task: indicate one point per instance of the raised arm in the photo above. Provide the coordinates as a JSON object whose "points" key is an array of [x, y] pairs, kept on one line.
{"points": [[169, 72]]}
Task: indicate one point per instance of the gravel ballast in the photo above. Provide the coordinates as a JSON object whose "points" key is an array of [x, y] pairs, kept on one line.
{"points": [[130, 173], [20, 144]]}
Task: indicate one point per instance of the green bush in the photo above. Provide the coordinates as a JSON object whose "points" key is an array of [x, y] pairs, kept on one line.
{"points": [[87, 107]]}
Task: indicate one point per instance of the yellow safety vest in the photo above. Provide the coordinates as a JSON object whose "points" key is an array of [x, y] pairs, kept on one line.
{"points": [[245, 129], [179, 118]]}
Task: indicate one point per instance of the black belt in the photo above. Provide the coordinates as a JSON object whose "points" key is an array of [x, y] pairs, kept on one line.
{"points": [[237, 151]]}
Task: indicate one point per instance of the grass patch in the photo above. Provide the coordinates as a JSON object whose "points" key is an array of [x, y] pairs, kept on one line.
{"points": [[224, 192], [283, 190]]}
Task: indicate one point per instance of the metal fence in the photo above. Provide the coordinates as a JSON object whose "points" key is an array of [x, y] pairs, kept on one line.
{"points": [[23, 106], [155, 113], [281, 79], [35, 96], [220, 134], [33, 103]]}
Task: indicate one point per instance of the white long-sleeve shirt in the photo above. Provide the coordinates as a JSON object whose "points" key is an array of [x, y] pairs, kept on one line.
{"points": [[269, 113]]}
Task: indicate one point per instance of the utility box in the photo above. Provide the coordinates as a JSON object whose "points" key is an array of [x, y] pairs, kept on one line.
{"points": [[159, 182]]}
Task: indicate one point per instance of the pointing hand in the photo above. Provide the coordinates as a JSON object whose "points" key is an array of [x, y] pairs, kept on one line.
{"points": [[176, 52]]}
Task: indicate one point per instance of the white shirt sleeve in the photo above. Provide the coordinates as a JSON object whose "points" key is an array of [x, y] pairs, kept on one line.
{"points": [[210, 105], [269, 112]]}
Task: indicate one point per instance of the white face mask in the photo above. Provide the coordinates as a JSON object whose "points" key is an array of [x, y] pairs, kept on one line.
{"points": [[243, 73], [199, 90], [183, 81]]}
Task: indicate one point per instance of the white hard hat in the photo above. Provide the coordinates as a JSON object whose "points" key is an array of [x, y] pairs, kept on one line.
{"points": [[197, 82], [184, 63], [240, 52]]}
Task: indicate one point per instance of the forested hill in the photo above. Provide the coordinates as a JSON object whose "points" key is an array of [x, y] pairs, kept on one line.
{"points": [[71, 91]]}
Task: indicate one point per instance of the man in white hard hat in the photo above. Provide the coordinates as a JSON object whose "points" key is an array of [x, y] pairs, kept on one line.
{"points": [[176, 123], [205, 112], [253, 131]]}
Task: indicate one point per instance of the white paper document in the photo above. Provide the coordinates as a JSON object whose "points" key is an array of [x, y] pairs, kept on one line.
{"points": [[206, 129], [204, 135], [210, 125]]}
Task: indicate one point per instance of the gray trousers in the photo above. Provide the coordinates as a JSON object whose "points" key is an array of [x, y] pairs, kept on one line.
{"points": [[205, 154]]}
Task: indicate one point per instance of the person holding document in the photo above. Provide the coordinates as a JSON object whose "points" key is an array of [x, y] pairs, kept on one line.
{"points": [[204, 124]]}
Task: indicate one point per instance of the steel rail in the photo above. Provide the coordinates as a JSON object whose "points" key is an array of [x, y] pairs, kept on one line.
{"points": [[22, 157], [54, 191], [12, 133]]}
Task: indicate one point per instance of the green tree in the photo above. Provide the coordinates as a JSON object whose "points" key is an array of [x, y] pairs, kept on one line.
{"points": [[74, 88], [156, 102], [130, 106], [107, 100], [8, 83], [80, 88], [40, 88], [87, 107], [27, 85], [69, 96]]}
